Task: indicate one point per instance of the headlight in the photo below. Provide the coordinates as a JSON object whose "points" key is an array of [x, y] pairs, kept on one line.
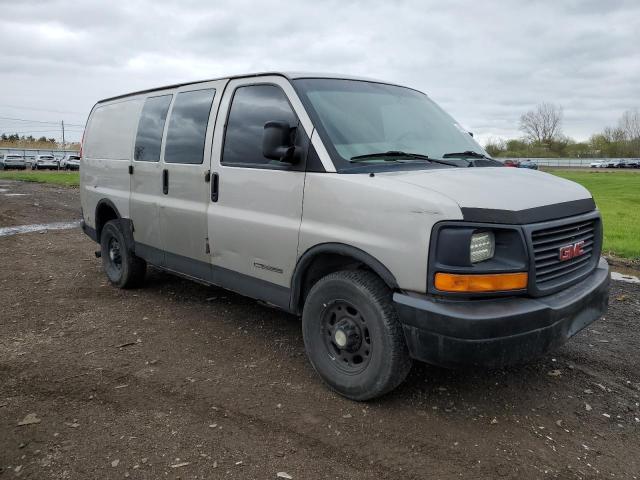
{"points": [[482, 247], [477, 259]]}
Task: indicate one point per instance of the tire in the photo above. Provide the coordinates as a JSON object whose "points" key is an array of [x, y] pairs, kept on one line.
{"points": [[122, 267], [353, 336]]}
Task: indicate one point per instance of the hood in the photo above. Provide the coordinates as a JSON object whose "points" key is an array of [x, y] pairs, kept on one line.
{"points": [[500, 189]]}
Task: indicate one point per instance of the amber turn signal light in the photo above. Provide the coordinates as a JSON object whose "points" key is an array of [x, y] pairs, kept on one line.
{"points": [[497, 282]]}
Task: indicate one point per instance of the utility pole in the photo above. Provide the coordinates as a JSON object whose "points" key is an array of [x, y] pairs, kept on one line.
{"points": [[63, 142]]}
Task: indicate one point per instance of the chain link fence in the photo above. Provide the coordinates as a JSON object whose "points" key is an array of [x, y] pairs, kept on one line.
{"points": [[32, 152], [569, 162]]}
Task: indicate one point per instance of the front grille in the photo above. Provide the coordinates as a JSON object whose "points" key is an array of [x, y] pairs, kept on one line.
{"points": [[550, 271]]}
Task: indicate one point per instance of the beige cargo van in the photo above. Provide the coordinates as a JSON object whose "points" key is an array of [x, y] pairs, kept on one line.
{"points": [[359, 205]]}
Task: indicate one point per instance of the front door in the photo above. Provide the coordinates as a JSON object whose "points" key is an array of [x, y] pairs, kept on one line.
{"points": [[186, 161], [255, 219]]}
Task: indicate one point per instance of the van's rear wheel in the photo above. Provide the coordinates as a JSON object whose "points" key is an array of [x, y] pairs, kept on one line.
{"points": [[122, 267], [352, 335]]}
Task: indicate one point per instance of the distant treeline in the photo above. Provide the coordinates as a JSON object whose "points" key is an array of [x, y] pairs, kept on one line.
{"points": [[29, 141], [543, 138]]}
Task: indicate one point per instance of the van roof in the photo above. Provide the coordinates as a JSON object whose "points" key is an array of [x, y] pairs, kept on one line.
{"points": [[289, 75]]}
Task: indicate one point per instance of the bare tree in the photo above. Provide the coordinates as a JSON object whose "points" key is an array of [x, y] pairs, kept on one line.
{"points": [[543, 124], [629, 126], [629, 123]]}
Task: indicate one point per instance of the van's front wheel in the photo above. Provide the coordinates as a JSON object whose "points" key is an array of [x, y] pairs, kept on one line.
{"points": [[352, 335], [122, 267]]}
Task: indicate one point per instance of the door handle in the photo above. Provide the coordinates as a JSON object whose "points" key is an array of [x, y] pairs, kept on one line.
{"points": [[214, 187], [165, 181], [207, 176], [130, 169]]}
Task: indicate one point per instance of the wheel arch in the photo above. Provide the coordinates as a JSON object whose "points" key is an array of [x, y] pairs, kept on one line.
{"points": [[105, 211], [326, 258]]}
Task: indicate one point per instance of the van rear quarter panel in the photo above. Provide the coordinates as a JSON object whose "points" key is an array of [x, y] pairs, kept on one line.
{"points": [[107, 152], [390, 221]]}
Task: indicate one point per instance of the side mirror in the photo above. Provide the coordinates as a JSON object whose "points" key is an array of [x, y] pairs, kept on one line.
{"points": [[276, 142], [470, 133]]}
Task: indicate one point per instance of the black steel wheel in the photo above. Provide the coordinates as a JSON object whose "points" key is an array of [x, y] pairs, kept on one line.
{"points": [[123, 268], [347, 337], [353, 336], [115, 256]]}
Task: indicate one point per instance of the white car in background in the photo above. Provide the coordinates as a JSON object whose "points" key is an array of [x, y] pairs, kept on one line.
{"points": [[44, 161], [29, 160], [70, 162], [595, 164], [11, 160]]}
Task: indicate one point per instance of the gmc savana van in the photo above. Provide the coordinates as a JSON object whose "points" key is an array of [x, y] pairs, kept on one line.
{"points": [[359, 205]]}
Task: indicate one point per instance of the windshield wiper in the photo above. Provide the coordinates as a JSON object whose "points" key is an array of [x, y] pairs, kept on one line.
{"points": [[466, 153], [395, 154], [390, 153], [480, 160]]}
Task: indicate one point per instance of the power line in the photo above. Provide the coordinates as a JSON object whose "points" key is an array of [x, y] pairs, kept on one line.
{"points": [[39, 121], [31, 131], [21, 127], [40, 109], [18, 130]]}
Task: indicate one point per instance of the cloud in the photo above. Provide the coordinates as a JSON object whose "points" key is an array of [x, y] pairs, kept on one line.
{"points": [[484, 62]]}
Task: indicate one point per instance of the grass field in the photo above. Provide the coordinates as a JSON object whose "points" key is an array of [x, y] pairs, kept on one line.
{"points": [[70, 179], [617, 195]]}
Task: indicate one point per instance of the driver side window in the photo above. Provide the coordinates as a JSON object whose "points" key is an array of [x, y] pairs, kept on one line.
{"points": [[251, 107]]}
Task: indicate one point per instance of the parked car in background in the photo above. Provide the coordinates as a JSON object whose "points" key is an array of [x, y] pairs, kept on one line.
{"points": [[528, 164], [70, 162], [611, 164], [28, 161], [633, 164], [10, 160], [44, 161], [511, 163], [595, 164]]}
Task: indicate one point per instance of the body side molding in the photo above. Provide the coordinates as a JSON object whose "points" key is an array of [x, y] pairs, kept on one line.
{"points": [[209, 274]]}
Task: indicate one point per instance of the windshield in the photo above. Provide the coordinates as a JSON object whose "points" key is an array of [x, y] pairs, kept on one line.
{"points": [[360, 118]]}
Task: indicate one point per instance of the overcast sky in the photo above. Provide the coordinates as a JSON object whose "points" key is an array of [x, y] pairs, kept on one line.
{"points": [[486, 62]]}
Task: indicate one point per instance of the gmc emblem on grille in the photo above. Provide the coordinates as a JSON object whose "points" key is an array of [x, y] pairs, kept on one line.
{"points": [[571, 251]]}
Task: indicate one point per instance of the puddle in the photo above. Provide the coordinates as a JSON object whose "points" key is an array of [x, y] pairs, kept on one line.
{"points": [[14, 194], [624, 277], [38, 227]]}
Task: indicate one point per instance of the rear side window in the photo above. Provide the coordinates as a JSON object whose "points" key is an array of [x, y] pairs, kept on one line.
{"points": [[111, 130], [251, 108], [150, 128], [188, 127]]}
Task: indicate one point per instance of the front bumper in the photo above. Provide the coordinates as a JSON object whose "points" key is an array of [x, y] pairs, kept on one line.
{"points": [[503, 331]]}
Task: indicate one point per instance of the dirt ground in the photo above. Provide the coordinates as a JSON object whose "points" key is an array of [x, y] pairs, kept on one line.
{"points": [[177, 380]]}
